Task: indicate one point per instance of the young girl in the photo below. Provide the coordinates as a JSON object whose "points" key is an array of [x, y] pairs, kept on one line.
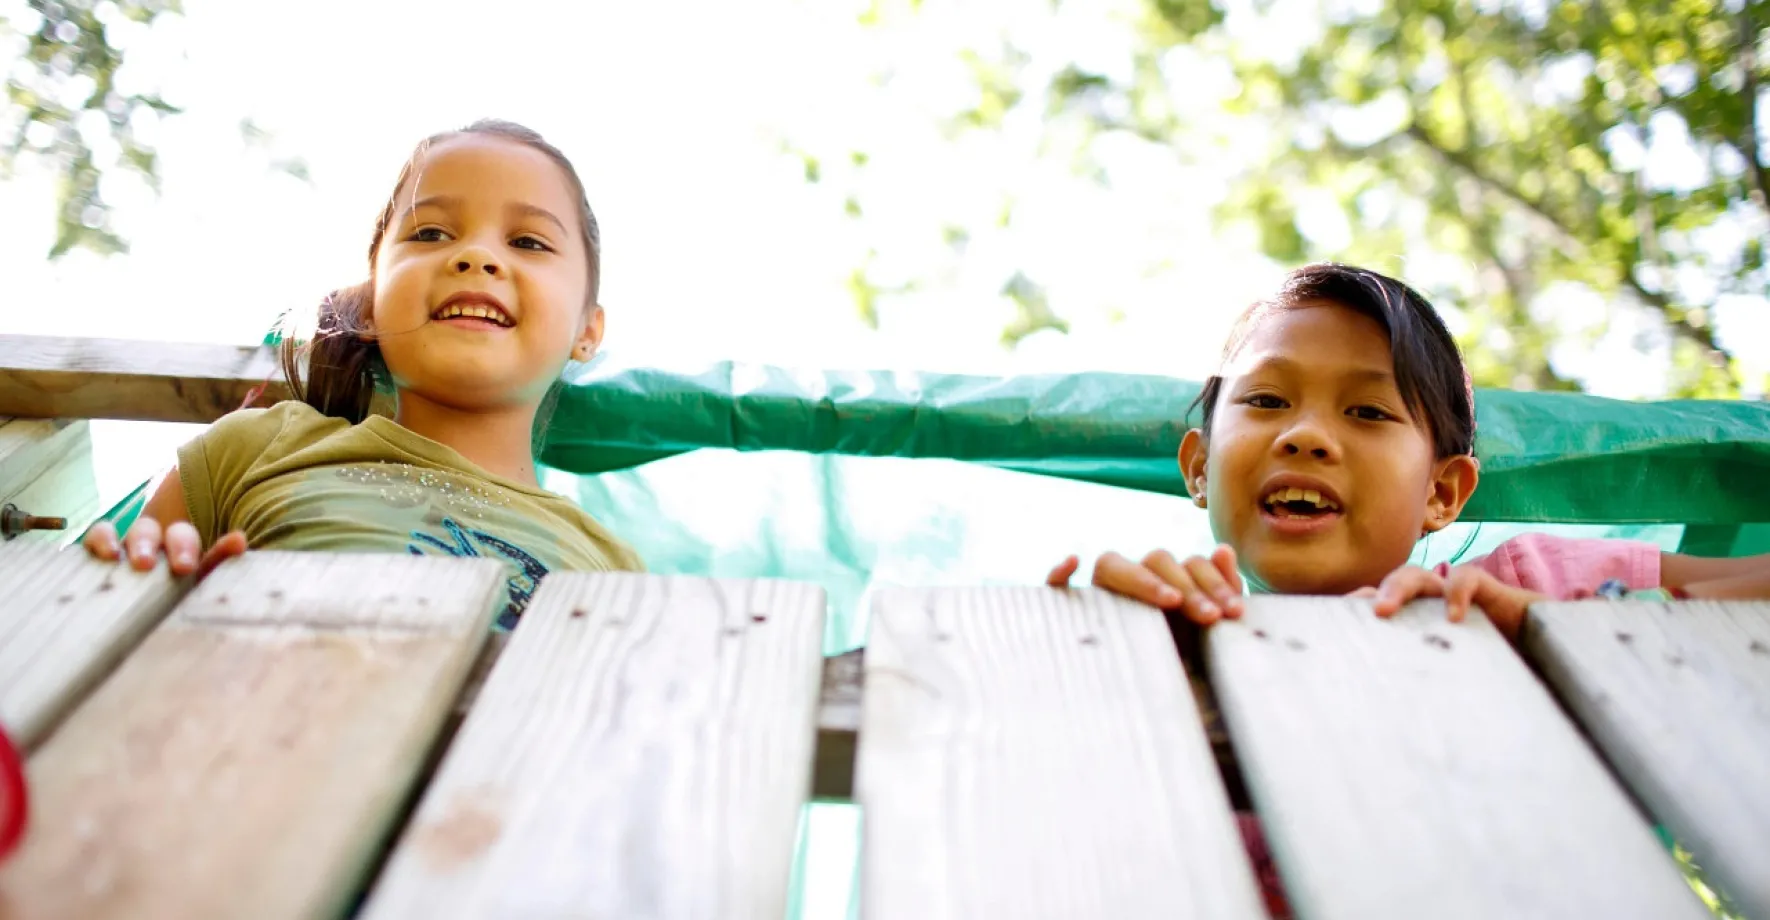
{"points": [[483, 275], [1341, 430]]}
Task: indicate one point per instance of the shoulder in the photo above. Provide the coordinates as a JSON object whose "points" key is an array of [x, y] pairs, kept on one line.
{"points": [[609, 551], [1564, 567], [289, 417]]}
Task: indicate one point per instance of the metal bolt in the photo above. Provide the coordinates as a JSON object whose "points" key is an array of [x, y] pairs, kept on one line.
{"points": [[14, 521]]}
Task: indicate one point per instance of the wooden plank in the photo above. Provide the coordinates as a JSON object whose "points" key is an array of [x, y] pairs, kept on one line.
{"points": [[642, 749], [1034, 752], [1678, 697], [30, 447], [65, 621], [66, 488], [1413, 768], [50, 376], [248, 759]]}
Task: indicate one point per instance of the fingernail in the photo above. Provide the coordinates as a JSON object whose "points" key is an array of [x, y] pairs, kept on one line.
{"points": [[185, 560], [1169, 597], [1208, 609]]}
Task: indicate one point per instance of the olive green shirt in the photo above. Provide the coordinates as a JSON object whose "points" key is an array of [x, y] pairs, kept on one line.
{"points": [[294, 479]]}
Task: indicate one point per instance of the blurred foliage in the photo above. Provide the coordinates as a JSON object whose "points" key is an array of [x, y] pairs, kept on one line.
{"points": [[66, 106], [1514, 138], [62, 94]]}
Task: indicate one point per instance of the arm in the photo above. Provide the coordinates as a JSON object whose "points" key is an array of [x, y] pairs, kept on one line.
{"points": [[163, 524], [1745, 577]]}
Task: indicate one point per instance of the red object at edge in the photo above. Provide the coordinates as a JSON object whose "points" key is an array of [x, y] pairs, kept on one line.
{"points": [[14, 805]]}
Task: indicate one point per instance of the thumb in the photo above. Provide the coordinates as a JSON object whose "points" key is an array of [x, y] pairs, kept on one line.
{"points": [[1059, 576], [230, 545]]}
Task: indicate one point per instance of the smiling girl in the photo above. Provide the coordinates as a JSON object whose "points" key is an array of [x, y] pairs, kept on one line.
{"points": [[483, 275], [1341, 430]]}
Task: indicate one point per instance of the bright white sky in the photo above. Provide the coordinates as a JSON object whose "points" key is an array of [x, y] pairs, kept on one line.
{"points": [[676, 115]]}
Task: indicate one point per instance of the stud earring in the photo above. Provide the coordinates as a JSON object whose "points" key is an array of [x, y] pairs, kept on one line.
{"points": [[1198, 493]]}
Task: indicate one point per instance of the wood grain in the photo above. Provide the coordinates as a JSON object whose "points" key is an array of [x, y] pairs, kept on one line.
{"points": [[64, 483], [1035, 752], [642, 749], [1678, 697], [30, 447], [1413, 768], [248, 758], [65, 620], [66, 377]]}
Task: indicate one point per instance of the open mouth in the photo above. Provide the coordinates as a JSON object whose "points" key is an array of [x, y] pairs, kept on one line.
{"points": [[1294, 503], [473, 314]]}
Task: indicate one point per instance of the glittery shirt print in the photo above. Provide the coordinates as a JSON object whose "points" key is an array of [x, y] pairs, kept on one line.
{"points": [[448, 507], [466, 542]]}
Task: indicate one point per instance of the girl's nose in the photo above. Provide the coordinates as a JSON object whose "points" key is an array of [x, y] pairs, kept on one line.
{"points": [[477, 259], [1308, 439]]}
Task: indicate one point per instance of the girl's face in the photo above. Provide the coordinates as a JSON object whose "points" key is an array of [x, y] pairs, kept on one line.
{"points": [[482, 279], [1315, 471]]}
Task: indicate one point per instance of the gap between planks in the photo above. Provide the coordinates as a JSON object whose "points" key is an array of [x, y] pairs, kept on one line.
{"points": [[1677, 695]]}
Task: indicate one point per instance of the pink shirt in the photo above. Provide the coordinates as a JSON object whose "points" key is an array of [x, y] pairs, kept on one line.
{"points": [[1565, 568]]}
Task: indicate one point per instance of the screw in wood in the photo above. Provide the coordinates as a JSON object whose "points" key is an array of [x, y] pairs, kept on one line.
{"points": [[14, 521]]}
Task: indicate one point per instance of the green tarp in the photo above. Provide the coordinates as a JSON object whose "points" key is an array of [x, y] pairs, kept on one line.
{"points": [[1546, 457]]}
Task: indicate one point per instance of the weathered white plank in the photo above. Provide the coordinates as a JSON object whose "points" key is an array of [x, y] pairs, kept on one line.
{"points": [[1678, 697], [30, 447], [641, 749], [57, 377], [247, 759], [1414, 768], [64, 486], [1033, 752], [65, 620]]}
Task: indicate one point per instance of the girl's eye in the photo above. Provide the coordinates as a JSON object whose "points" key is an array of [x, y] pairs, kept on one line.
{"points": [[1264, 401], [529, 242], [1369, 413], [428, 235]]}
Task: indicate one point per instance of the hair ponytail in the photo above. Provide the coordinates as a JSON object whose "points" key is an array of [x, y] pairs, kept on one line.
{"points": [[343, 362]]}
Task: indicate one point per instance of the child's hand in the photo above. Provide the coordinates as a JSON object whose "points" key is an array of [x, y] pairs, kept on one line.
{"points": [[146, 539], [1504, 604], [1205, 589]]}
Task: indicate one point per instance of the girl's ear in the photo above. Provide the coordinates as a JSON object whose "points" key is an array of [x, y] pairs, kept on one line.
{"points": [[1192, 465], [1452, 484], [590, 337]]}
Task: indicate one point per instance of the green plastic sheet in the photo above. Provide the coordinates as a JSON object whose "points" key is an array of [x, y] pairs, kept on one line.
{"points": [[1546, 457]]}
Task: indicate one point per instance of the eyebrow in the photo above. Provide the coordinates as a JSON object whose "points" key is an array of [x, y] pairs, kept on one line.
{"points": [[524, 208], [519, 207], [1363, 374]]}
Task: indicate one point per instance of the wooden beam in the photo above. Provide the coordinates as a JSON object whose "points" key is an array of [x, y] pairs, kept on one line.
{"points": [[641, 749], [1032, 752], [1678, 696], [46, 470], [248, 759], [56, 377], [65, 621], [1411, 768]]}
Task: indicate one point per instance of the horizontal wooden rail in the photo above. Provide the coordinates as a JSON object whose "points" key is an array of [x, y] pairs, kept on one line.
{"points": [[55, 377]]}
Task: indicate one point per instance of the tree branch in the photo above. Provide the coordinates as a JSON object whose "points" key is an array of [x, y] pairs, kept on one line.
{"points": [[1702, 336], [1748, 65]]}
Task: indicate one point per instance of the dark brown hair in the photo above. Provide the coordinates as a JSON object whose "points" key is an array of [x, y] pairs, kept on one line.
{"points": [[1429, 367], [343, 360]]}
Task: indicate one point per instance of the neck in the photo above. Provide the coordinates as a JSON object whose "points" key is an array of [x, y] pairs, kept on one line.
{"points": [[497, 440]]}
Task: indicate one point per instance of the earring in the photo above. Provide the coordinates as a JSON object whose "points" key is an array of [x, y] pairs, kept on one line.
{"points": [[1198, 493]]}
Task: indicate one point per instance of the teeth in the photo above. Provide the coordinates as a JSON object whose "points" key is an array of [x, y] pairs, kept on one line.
{"points": [[475, 311], [1276, 496]]}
